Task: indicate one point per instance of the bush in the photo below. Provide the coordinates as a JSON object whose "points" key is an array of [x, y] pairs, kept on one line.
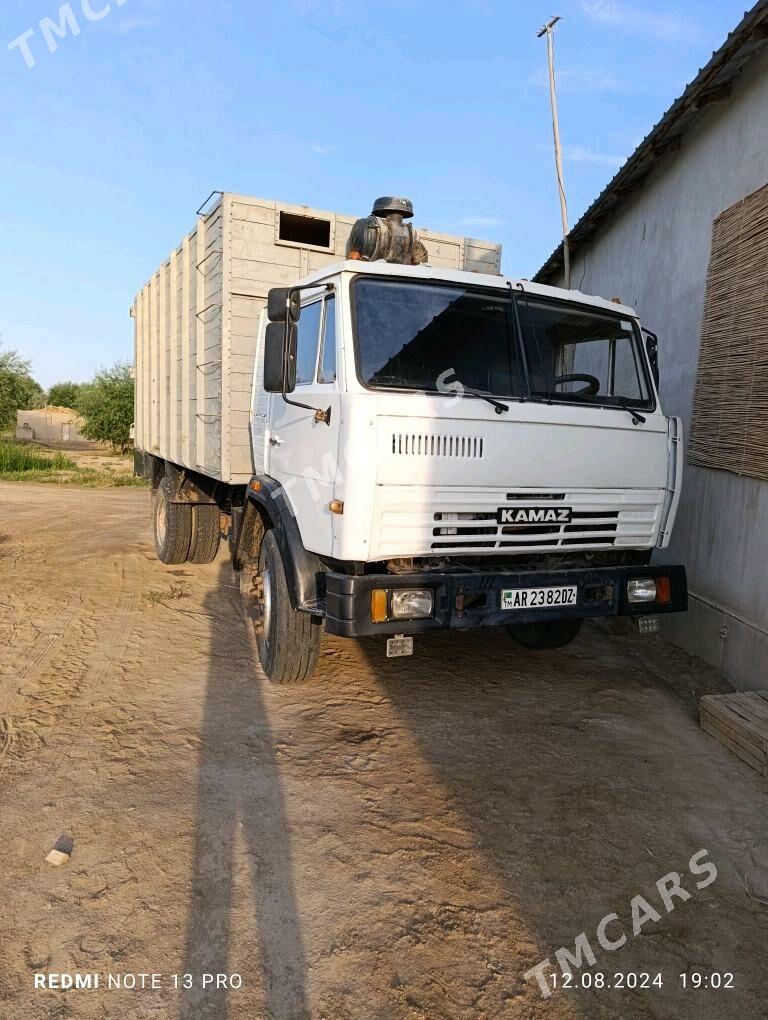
{"points": [[106, 404], [18, 390], [15, 458], [64, 394]]}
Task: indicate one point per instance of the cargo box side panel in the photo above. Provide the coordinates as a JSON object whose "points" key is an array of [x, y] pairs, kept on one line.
{"points": [[210, 364], [482, 256], [245, 316], [156, 364], [259, 254], [253, 265], [190, 349], [184, 351], [138, 361], [146, 368], [163, 377], [174, 395]]}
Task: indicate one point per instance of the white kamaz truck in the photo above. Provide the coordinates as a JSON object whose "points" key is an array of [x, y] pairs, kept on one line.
{"points": [[397, 439]]}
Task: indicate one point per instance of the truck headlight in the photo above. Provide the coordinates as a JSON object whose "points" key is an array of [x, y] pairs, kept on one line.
{"points": [[641, 590], [411, 604]]}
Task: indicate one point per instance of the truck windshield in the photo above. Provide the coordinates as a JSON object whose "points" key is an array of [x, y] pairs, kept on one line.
{"points": [[428, 337], [576, 353]]}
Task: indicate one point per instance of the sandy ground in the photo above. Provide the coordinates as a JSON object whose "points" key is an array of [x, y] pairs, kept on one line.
{"points": [[399, 839], [99, 460]]}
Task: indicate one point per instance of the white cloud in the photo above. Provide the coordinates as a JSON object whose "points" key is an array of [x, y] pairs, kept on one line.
{"points": [[580, 79], [479, 221], [640, 20], [581, 154], [323, 150]]}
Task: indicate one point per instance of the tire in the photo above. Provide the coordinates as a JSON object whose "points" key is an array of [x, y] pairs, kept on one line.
{"points": [[544, 634], [288, 641], [172, 524], [204, 544]]}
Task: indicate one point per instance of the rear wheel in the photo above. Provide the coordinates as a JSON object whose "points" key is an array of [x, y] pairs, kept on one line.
{"points": [[288, 641], [543, 634], [204, 543], [172, 523]]}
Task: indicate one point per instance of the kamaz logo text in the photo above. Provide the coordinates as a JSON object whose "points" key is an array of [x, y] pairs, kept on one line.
{"points": [[534, 515]]}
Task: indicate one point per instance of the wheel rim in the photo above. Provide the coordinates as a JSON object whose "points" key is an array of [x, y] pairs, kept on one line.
{"points": [[266, 605], [161, 518]]}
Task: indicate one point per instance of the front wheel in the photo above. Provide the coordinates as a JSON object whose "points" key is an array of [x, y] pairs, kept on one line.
{"points": [[543, 634], [288, 641]]}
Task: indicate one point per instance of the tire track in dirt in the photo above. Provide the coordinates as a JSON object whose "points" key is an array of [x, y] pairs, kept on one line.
{"points": [[6, 736], [107, 651], [29, 667], [99, 652]]}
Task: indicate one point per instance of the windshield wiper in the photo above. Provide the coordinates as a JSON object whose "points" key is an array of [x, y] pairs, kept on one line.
{"points": [[500, 407]]}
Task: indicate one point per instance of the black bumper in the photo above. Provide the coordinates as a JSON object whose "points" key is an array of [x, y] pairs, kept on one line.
{"points": [[473, 599]]}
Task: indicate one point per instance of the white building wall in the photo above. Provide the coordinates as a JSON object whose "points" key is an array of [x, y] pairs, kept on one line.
{"points": [[50, 425], [654, 255]]}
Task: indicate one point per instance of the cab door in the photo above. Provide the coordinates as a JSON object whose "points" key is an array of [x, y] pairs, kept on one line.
{"points": [[303, 452]]}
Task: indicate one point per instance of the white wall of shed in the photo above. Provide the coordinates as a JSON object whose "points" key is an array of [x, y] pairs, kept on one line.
{"points": [[654, 255]]}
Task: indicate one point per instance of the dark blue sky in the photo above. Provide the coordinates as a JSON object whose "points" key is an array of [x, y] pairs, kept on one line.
{"points": [[111, 142]]}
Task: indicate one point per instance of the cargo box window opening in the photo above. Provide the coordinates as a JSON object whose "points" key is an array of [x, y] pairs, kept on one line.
{"points": [[430, 337], [303, 231], [577, 355]]}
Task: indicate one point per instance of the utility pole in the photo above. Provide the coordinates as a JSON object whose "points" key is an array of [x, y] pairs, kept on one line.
{"points": [[547, 30]]}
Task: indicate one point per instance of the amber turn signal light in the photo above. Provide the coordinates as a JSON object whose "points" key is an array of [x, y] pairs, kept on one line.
{"points": [[379, 605]]}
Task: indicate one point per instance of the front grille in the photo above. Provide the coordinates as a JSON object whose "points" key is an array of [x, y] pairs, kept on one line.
{"points": [[586, 528], [424, 521]]}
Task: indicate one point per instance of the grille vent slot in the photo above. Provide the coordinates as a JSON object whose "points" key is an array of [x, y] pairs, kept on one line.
{"points": [[413, 444]]}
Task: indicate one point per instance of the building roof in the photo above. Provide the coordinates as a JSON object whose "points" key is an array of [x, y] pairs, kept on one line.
{"points": [[713, 83]]}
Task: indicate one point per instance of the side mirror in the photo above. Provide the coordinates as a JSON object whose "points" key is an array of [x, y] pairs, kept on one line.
{"points": [[283, 304], [652, 348], [280, 357]]}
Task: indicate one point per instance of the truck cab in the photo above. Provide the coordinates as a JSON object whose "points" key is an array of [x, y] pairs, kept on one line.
{"points": [[435, 448]]}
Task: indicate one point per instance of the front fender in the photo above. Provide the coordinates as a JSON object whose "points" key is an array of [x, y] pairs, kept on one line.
{"points": [[266, 506]]}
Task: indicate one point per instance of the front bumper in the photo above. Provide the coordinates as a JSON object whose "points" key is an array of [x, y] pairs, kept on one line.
{"points": [[473, 599]]}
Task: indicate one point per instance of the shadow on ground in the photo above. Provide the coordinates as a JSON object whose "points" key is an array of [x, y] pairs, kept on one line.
{"points": [[240, 807]]}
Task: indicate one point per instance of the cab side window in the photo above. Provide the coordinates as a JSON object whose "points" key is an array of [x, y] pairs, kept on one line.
{"points": [[308, 328], [326, 372]]}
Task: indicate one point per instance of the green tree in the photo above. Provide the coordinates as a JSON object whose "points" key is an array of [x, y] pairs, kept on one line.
{"points": [[18, 390], [64, 394], [106, 404]]}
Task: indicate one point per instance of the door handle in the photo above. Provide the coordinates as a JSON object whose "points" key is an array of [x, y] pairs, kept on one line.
{"points": [[275, 441]]}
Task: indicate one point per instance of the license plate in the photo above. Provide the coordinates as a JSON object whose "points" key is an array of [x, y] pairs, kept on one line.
{"points": [[539, 598]]}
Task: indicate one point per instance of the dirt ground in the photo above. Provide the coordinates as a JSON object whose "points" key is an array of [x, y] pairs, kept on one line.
{"points": [[399, 839], [99, 459]]}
